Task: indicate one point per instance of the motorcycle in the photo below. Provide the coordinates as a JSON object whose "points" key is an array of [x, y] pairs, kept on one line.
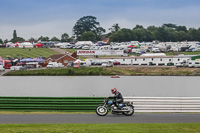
{"points": [[126, 108]]}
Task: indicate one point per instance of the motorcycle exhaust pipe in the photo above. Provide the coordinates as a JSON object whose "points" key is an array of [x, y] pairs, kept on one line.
{"points": [[123, 110]]}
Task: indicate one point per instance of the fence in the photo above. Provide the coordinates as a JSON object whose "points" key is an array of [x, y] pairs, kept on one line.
{"points": [[165, 104], [50, 103], [81, 104]]}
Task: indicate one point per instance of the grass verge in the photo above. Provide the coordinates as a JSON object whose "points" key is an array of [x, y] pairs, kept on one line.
{"points": [[96, 71], [101, 128], [32, 53]]}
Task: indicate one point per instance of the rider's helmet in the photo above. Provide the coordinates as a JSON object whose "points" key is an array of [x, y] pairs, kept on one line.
{"points": [[113, 90]]}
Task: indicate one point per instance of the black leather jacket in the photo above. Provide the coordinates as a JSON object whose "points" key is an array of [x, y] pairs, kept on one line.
{"points": [[117, 97]]}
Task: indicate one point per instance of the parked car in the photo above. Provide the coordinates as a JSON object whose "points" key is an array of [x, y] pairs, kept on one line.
{"points": [[116, 63], [155, 50], [194, 63], [98, 63], [92, 63], [70, 64], [77, 47], [137, 51], [69, 46], [2, 68], [86, 47], [181, 64], [107, 64], [29, 66], [188, 50], [17, 67]]}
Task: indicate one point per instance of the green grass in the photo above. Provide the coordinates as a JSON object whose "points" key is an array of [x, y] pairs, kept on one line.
{"points": [[71, 50], [185, 53], [61, 72], [100, 128], [34, 52], [98, 71]]}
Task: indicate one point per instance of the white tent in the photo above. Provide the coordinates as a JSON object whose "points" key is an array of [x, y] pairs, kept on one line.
{"points": [[84, 43], [25, 45], [58, 44]]}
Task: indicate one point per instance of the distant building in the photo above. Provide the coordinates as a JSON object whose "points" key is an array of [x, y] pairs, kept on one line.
{"points": [[61, 58], [146, 60]]}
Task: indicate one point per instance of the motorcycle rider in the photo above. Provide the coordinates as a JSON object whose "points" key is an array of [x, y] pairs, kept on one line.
{"points": [[117, 97]]}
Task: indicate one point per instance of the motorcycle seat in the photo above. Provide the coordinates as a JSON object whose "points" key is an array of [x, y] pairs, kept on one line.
{"points": [[125, 102]]}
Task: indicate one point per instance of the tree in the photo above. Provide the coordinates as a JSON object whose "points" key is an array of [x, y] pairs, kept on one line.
{"points": [[1, 41], [14, 34], [43, 38], [6, 41], [32, 40], [115, 28], [117, 37], [17, 39], [181, 36], [151, 33], [193, 34], [140, 33], [160, 34], [169, 25], [138, 27], [85, 24], [88, 36], [99, 33], [64, 37], [122, 35], [54, 39], [181, 28], [72, 39]]}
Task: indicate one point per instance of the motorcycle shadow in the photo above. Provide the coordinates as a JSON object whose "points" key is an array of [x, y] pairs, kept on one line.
{"points": [[116, 115]]}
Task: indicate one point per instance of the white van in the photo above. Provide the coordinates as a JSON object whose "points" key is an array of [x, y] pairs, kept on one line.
{"points": [[107, 63], [54, 65], [194, 63], [182, 64], [2, 68], [80, 63], [137, 51], [155, 50], [179, 64]]}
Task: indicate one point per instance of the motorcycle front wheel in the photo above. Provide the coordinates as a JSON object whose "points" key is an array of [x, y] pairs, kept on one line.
{"points": [[101, 110], [131, 112]]}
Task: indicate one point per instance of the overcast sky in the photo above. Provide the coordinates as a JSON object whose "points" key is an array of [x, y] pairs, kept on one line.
{"points": [[35, 18]]}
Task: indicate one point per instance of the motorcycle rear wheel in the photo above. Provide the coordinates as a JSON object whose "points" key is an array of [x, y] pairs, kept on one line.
{"points": [[101, 110], [129, 113]]}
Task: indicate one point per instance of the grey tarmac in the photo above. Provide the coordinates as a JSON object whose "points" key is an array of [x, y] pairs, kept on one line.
{"points": [[93, 118]]}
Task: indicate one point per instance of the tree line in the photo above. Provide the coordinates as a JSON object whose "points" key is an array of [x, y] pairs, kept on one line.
{"points": [[165, 33], [88, 28]]}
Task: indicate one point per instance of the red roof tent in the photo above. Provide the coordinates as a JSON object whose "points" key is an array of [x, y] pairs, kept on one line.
{"points": [[132, 46], [39, 45]]}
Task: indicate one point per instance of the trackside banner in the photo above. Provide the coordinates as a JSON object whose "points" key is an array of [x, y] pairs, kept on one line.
{"points": [[100, 52]]}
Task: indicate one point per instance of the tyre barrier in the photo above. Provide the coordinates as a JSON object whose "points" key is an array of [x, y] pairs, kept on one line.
{"points": [[88, 104], [50, 103], [165, 104]]}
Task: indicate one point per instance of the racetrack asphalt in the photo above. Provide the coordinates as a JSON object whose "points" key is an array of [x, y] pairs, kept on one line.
{"points": [[93, 118]]}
